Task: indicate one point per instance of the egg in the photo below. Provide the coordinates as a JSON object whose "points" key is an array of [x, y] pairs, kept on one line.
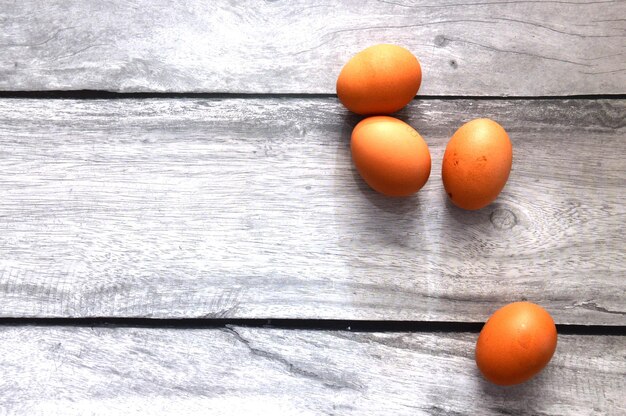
{"points": [[477, 163], [390, 155], [379, 80], [516, 343]]}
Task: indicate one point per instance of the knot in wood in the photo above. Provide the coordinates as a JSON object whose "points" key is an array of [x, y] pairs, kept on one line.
{"points": [[441, 41], [503, 219]]}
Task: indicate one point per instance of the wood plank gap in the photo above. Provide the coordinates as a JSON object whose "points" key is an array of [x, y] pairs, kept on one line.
{"points": [[102, 94], [295, 324]]}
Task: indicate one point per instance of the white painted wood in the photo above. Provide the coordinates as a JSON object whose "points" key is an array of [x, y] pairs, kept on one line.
{"points": [[466, 47], [138, 371], [252, 209]]}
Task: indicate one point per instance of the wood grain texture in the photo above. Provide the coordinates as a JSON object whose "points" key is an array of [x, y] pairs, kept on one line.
{"points": [[234, 371], [466, 47], [252, 209]]}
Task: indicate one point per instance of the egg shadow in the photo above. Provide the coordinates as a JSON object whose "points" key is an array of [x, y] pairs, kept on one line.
{"points": [[349, 121], [499, 220], [402, 115], [409, 114], [399, 206], [415, 115], [456, 215], [516, 399]]}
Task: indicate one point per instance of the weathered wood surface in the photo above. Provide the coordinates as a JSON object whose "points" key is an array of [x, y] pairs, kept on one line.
{"points": [[234, 371], [252, 209], [466, 47]]}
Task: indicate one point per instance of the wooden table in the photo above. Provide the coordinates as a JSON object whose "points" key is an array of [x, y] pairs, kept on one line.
{"points": [[182, 230]]}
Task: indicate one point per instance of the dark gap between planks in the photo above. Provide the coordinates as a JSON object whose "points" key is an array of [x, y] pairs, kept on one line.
{"points": [[99, 95], [295, 324]]}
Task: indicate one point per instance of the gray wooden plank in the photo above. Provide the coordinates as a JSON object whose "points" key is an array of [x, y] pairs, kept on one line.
{"points": [[252, 209], [234, 371], [466, 47]]}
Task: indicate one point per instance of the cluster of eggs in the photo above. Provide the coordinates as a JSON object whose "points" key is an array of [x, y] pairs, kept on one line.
{"points": [[393, 159]]}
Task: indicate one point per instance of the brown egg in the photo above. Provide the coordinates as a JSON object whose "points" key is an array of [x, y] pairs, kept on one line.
{"points": [[379, 80], [477, 163], [390, 156], [516, 343]]}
